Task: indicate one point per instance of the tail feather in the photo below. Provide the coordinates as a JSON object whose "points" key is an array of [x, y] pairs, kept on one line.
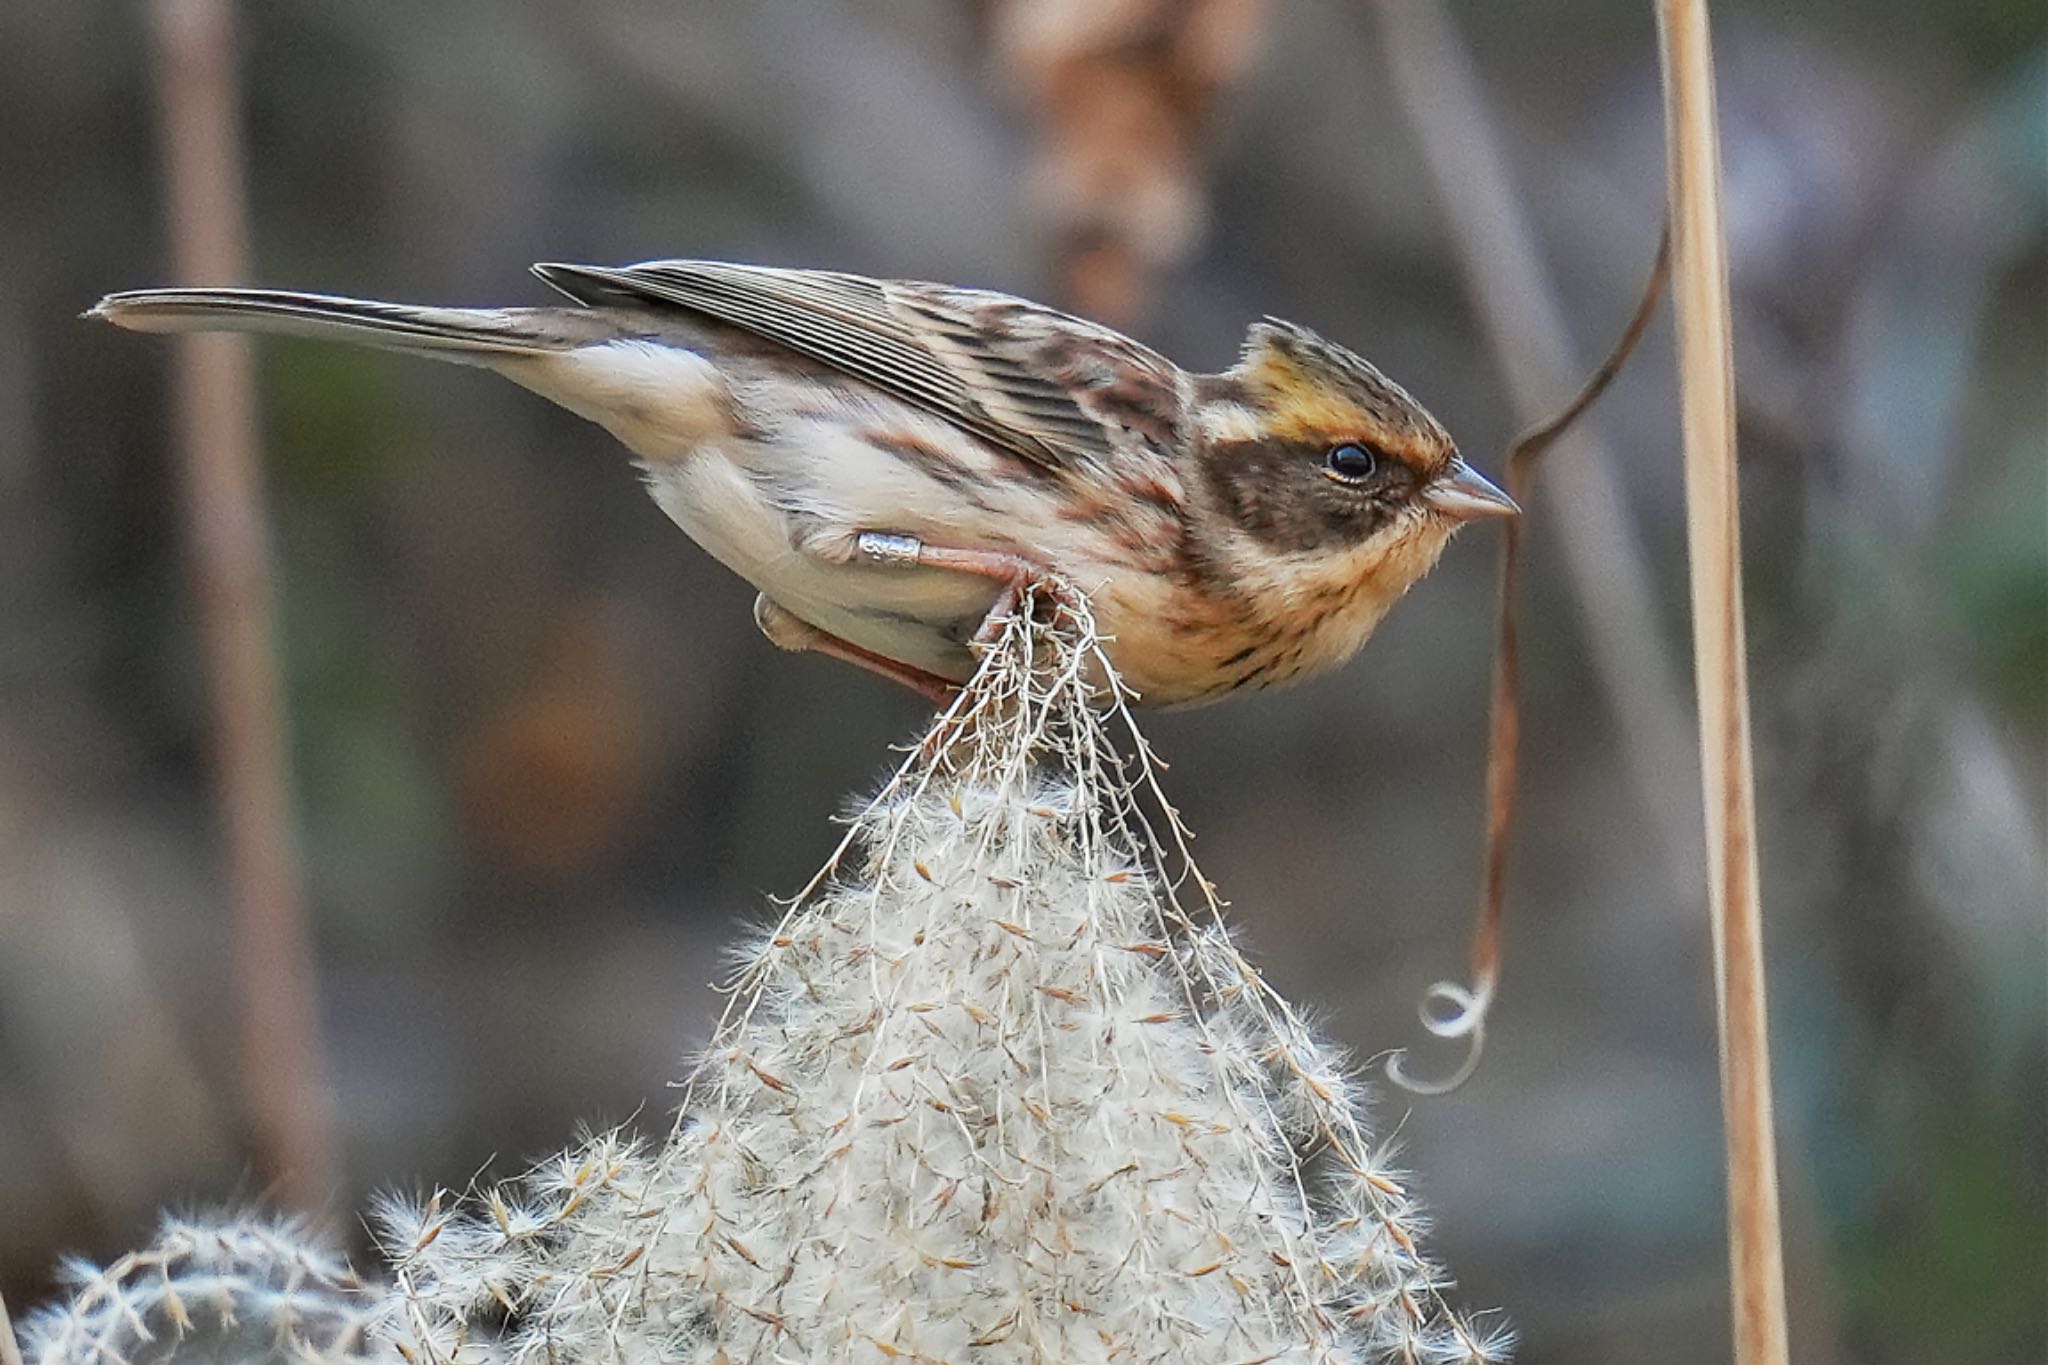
{"points": [[478, 335]]}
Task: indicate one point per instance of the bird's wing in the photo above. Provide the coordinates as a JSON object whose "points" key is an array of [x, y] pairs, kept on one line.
{"points": [[1053, 389]]}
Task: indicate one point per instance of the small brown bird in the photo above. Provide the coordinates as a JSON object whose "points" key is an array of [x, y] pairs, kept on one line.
{"points": [[891, 463]]}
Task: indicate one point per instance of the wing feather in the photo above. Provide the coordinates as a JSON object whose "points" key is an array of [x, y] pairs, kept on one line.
{"points": [[1006, 369]]}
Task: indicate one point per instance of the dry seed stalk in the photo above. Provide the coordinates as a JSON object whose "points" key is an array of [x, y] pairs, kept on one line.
{"points": [[1707, 406], [997, 1087]]}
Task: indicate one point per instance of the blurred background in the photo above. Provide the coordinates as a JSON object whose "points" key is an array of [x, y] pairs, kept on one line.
{"points": [[542, 767]]}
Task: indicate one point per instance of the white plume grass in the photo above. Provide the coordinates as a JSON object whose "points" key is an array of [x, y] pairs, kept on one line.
{"points": [[998, 1088]]}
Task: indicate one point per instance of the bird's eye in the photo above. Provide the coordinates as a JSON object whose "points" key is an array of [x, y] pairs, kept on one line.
{"points": [[1351, 462]]}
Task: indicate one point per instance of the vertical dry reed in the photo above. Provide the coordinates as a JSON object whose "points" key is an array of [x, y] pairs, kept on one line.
{"points": [[1707, 408], [284, 1096]]}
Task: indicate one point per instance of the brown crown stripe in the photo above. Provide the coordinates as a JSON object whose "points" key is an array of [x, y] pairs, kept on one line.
{"points": [[1311, 388]]}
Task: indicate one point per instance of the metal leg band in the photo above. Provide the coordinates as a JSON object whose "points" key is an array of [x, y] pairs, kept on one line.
{"points": [[884, 548]]}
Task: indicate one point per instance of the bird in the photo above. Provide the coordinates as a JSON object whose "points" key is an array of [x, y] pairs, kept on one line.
{"points": [[895, 464]]}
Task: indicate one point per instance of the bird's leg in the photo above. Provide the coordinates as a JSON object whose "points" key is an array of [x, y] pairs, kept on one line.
{"points": [[786, 630], [1013, 573]]}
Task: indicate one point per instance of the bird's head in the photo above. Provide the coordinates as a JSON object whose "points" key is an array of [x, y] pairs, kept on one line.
{"points": [[1313, 456]]}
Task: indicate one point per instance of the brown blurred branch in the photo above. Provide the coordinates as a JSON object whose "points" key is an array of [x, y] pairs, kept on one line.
{"points": [[1706, 370], [1122, 92], [284, 1087]]}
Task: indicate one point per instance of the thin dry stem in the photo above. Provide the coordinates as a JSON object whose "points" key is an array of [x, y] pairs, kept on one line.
{"points": [[1504, 729], [1707, 409], [1515, 302], [284, 1093], [1451, 1010], [1442, 96]]}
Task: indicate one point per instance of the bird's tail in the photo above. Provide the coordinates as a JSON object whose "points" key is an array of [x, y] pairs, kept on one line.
{"points": [[477, 336]]}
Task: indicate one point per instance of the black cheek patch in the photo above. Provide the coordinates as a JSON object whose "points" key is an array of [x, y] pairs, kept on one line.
{"points": [[1279, 494]]}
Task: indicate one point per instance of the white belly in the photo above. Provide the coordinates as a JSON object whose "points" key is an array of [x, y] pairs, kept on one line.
{"points": [[921, 617], [773, 476]]}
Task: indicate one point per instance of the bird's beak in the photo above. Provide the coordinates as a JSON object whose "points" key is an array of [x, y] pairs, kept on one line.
{"points": [[1462, 493]]}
